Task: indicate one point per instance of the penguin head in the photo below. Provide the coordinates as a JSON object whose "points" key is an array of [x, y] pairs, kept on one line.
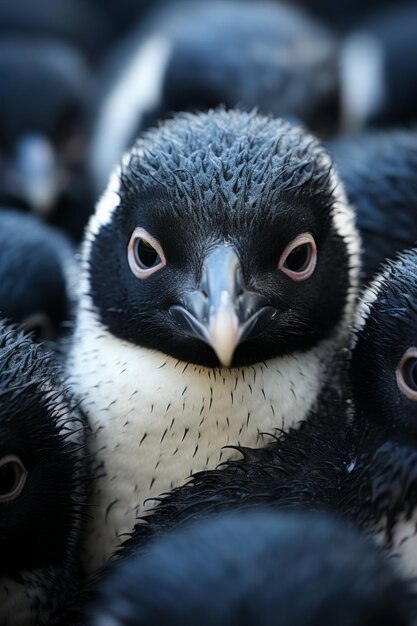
{"points": [[41, 467], [222, 240], [384, 358]]}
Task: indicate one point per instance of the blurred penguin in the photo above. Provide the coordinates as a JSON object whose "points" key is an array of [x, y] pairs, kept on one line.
{"points": [[42, 145], [195, 56]]}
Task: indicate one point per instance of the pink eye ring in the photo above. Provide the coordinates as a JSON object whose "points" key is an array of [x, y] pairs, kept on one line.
{"points": [[144, 254], [407, 374], [299, 259], [13, 476]]}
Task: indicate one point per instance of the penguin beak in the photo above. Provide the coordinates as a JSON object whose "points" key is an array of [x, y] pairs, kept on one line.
{"points": [[221, 311]]}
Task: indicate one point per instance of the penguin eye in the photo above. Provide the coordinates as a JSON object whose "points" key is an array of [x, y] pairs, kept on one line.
{"points": [[298, 261], [12, 477], [407, 374], [145, 255]]}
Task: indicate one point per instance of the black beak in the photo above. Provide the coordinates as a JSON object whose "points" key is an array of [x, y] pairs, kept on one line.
{"points": [[221, 311]]}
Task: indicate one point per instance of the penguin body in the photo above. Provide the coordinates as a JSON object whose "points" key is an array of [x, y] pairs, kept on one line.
{"points": [[355, 456], [43, 485], [37, 274], [199, 55], [379, 172], [188, 315], [255, 568]]}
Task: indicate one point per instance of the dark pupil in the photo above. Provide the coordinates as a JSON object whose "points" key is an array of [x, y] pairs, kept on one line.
{"points": [[410, 373], [146, 255], [298, 259], [9, 477]]}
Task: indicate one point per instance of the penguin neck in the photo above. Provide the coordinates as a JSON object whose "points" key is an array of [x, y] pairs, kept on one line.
{"points": [[156, 420]]}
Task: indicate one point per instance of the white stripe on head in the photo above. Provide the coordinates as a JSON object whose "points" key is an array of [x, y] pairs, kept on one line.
{"points": [[105, 208], [343, 217], [137, 91], [367, 300], [107, 204]]}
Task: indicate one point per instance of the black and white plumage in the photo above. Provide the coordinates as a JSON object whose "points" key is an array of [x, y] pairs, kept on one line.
{"points": [[42, 485], [356, 455], [38, 274], [254, 569], [379, 173], [198, 55], [219, 340]]}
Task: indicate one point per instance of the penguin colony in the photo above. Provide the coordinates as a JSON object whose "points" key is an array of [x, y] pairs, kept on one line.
{"points": [[208, 382]]}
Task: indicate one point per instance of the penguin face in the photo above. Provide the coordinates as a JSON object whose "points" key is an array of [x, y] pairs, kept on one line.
{"points": [[39, 458], [219, 242], [384, 359]]}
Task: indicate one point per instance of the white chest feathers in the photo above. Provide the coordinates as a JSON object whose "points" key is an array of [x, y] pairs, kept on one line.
{"points": [[156, 420]]}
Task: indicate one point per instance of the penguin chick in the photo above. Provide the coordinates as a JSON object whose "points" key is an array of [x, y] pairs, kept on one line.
{"points": [[379, 172], [198, 55], [377, 59], [41, 146], [205, 316], [42, 485], [255, 568], [37, 274]]}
